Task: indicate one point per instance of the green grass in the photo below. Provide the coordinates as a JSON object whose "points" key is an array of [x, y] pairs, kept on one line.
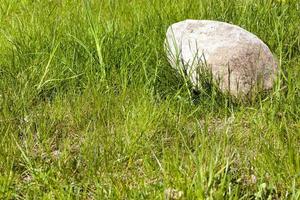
{"points": [[91, 109]]}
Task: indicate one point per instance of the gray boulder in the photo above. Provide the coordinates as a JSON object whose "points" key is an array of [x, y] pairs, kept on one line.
{"points": [[238, 61]]}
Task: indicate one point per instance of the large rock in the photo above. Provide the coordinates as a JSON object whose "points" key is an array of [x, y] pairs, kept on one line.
{"points": [[237, 59]]}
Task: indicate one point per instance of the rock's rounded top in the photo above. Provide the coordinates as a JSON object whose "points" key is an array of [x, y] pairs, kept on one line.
{"points": [[238, 59]]}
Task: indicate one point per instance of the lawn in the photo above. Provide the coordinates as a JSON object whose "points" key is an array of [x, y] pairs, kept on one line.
{"points": [[91, 109]]}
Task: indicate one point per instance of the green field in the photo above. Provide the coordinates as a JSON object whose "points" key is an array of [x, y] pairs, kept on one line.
{"points": [[91, 109]]}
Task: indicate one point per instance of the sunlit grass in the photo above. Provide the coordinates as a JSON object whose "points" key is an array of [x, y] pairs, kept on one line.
{"points": [[91, 109]]}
